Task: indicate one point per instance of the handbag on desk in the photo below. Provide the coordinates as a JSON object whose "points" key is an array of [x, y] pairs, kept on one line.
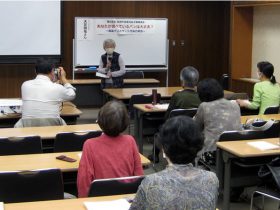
{"points": [[258, 124]]}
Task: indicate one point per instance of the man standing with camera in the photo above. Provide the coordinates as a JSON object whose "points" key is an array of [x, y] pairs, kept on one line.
{"points": [[42, 97]]}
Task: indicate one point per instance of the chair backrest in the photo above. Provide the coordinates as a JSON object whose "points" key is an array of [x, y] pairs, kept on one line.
{"points": [[115, 186], [272, 110], [39, 122], [241, 135], [20, 145], [67, 142], [134, 75], [31, 185], [140, 99], [188, 112], [234, 96]]}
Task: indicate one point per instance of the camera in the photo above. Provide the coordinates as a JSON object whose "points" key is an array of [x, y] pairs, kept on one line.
{"points": [[57, 73]]}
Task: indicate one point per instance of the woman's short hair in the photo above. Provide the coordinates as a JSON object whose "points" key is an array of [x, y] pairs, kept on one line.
{"points": [[110, 42], [267, 69], [113, 118], [189, 76], [181, 139], [209, 90], [44, 66]]}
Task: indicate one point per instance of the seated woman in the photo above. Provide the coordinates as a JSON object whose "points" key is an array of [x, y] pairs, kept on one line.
{"points": [[112, 154], [183, 99], [180, 186], [266, 92], [215, 114], [188, 97]]}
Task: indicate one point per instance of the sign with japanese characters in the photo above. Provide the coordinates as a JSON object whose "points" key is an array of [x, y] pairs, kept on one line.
{"points": [[124, 26]]}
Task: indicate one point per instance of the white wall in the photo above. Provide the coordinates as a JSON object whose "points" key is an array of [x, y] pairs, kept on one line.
{"points": [[266, 38], [30, 27]]}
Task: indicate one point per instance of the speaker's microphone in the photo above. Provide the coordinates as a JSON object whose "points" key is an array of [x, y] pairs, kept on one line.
{"points": [[110, 57]]}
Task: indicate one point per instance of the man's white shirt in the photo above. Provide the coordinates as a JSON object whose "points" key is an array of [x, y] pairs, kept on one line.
{"points": [[42, 98]]}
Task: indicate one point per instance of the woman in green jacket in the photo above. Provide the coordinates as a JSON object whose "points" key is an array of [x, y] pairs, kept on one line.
{"points": [[266, 92]]}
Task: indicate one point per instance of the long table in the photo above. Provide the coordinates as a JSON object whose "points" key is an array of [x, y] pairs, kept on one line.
{"points": [[89, 93], [46, 132], [69, 112], [229, 150], [66, 204], [126, 93], [44, 161]]}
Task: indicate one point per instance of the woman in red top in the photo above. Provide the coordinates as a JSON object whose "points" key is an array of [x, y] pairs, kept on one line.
{"points": [[112, 154]]}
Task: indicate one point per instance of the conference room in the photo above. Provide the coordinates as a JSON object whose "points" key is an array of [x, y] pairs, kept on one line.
{"points": [[74, 74]]}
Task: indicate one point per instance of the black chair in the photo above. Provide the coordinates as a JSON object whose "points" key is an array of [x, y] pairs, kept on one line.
{"points": [[29, 186], [272, 110], [234, 96], [115, 186], [140, 99], [67, 142], [224, 81], [188, 112], [151, 121], [20, 145], [134, 75]]}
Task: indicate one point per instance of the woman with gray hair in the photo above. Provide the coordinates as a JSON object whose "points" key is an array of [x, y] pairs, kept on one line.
{"points": [[184, 99], [188, 97], [111, 64]]}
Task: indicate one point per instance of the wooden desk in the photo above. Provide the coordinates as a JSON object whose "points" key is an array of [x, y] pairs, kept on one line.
{"points": [[45, 160], [227, 151], [89, 93], [46, 132], [126, 81], [69, 113], [126, 93], [67, 204]]}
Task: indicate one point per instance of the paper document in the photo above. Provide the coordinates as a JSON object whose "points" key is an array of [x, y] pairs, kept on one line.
{"points": [[262, 145], [1, 206], [120, 204], [161, 106], [10, 102], [101, 75]]}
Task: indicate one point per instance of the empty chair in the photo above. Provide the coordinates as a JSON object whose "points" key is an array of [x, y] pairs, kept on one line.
{"points": [[39, 122], [27, 186], [115, 186], [134, 75], [20, 145], [272, 110], [67, 142], [151, 121], [140, 99], [188, 112]]}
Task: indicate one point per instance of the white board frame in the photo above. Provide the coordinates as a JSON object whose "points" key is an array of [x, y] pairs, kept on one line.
{"points": [[150, 68]]}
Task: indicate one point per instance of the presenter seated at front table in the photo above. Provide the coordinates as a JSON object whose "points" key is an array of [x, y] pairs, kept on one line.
{"points": [[266, 92], [111, 64], [42, 97]]}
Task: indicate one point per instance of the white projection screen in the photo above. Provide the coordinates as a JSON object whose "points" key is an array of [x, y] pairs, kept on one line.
{"points": [[30, 28]]}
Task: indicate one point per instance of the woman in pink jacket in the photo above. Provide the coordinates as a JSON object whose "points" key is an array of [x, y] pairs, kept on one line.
{"points": [[112, 154]]}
